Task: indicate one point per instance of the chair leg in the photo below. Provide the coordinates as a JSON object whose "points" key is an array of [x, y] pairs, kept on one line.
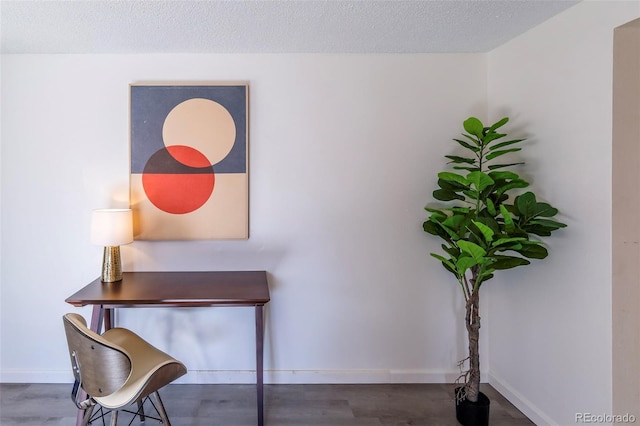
{"points": [[161, 410], [141, 410], [114, 417], [87, 415]]}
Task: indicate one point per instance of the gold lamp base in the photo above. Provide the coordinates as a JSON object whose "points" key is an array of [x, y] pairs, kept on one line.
{"points": [[111, 265]]}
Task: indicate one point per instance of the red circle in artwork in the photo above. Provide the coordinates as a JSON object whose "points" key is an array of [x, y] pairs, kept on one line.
{"points": [[175, 187], [188, 156]]}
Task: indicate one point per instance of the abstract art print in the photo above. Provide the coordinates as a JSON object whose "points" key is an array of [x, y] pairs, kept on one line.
{"points": [[189, 161]]}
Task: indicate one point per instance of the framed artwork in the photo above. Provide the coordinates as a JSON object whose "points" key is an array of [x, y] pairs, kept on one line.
{"points": [[189, 161]]}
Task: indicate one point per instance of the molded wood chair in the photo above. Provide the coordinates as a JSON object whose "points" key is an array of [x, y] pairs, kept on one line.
{"points": [[117, 369]]}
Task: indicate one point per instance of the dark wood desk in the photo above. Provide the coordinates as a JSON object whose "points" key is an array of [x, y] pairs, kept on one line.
{"points": [[181, 289]]}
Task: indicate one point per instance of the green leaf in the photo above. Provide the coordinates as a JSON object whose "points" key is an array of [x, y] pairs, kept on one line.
{"points": [[501, 166], [436, 214], [443, 259], [490, 137], [508, 220], [465, 263], [443, 231], [509, 247], [533, 251], [491, 208], [545, 210], [449, 266], [490, 222], [498, 199], [455, 222], [498, 124], [474, 126], [433, 229], [451, 185], [487, 232], [541, 231], [548, 223], [453, 251], [457, 160], [486, 276], [495, 154], [526, 204], [453, 177], [446, 195], [479, 180], [469, 169], [463, 210], [517, 183], [468, 145], [503, 175], [472, 139], [508, 262], [453, 235], [508, 240], [471, 194], [472, 249], [505, 143]]}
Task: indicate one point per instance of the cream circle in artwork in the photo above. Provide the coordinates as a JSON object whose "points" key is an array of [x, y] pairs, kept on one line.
{"points": [[201, 124]]}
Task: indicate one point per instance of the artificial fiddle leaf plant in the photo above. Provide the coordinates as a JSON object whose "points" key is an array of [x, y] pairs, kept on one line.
{"points": [[483, 228]]}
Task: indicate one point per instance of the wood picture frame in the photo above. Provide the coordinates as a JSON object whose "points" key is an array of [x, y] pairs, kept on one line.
{"points": [[189, 176]]}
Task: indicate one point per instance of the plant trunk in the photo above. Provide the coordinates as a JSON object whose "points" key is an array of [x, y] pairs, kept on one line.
{"points": [[473, 331]]}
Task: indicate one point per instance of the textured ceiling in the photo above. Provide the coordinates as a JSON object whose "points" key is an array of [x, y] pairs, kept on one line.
{"points": [[293, 26]]}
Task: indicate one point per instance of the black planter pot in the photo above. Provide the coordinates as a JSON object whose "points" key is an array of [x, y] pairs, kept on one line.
{"points": [[472, 413]]}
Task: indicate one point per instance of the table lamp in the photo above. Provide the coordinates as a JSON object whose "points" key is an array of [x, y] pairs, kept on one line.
{"points": [[111, 228]]}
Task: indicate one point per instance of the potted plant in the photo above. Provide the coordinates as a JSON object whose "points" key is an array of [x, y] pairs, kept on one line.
{"points": [[484, 229]]}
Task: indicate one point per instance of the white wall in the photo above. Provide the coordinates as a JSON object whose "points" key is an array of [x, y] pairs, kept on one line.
{"points": [[550, 329], [344, 151]]}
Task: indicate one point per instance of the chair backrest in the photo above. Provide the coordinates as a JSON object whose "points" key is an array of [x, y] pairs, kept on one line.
{"points": [[98, 365]]}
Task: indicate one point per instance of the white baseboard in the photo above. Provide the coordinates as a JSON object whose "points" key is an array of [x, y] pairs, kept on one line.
{"points": [[520, 402], [270, 376]]}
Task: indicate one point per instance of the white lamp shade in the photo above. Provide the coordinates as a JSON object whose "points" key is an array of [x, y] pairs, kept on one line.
{"points": [[111, 227]]}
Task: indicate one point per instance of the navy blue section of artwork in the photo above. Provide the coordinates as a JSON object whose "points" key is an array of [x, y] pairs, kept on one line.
{"points": [[150, 105]]}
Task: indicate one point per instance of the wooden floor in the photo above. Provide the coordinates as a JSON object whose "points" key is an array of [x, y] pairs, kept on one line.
{"points": [[290, 405]]}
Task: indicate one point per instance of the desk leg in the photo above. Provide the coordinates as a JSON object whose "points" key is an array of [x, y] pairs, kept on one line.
{"points": [[259, 362], [108, 318], [96, 318]]}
